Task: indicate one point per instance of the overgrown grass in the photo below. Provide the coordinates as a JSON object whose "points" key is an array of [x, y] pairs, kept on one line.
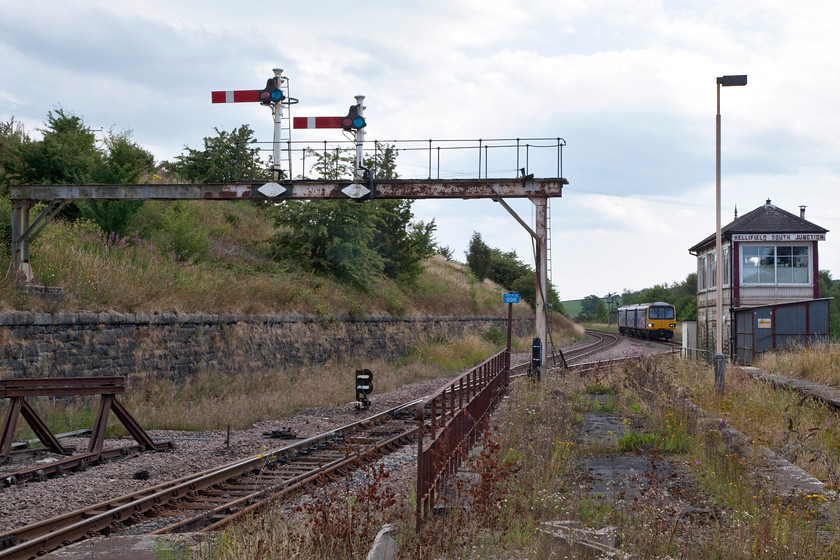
{"points": [[802, 430], [819, 363]]}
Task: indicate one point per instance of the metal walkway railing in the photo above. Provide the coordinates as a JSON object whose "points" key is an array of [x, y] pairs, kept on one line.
{"points": [[450, 422]]}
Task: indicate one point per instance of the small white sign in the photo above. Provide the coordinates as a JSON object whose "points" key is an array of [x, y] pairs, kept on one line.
{"points": [[355, 190], [272, 189]]}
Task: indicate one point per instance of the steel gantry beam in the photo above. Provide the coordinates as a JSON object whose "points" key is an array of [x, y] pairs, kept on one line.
{"points": [[400, 188]]}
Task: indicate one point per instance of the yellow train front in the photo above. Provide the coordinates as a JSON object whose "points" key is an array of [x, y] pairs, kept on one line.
{"points": [[648, 320]]}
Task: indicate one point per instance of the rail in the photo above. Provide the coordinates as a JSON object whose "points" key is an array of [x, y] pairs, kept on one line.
{"points": [[450, 421]]}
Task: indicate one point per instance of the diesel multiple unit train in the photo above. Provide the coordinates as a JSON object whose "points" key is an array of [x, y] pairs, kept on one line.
{"points": [[648, 320]]}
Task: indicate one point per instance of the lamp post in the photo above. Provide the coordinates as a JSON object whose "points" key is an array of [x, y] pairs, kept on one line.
{"points": [[719, 357]]}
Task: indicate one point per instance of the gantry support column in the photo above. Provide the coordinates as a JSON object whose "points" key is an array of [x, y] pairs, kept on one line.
{"points": [[541, 266], [19, 266]]}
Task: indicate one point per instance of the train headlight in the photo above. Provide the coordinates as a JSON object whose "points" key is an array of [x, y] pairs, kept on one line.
{"points": [[650, 325], [673, 325]]}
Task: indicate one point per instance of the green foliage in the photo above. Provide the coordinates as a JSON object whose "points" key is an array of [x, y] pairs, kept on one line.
{"points": [[227, 157], [402, 245], [356, 242], [111, 215], [5, 221], [830, 287], [328, 237], [176, 230], [123, 162], [593, 310], [10, 141], [479, 256], [505, 269], [66, 155]]}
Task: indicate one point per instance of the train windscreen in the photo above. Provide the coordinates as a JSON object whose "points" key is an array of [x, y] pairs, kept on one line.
{"points": [[662, 312]]}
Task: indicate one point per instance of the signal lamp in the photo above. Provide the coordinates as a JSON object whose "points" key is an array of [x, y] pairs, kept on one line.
{"points": [[353, 121], [271, 93]]}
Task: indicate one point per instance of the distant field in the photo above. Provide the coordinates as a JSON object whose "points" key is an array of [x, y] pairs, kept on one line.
{"points": [[575, 306]]}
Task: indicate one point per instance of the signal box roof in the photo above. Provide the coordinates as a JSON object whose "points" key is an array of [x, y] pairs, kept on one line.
{"points": [[764, 219]]}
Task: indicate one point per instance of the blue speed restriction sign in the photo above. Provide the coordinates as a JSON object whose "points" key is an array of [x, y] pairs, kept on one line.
{"points": [[511, 297]]}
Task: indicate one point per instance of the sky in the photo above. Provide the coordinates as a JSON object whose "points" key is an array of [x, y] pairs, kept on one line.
{"points": [[628, 85]]}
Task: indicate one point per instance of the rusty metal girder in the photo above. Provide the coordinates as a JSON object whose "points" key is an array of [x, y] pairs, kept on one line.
{"points": [[402, 188]]}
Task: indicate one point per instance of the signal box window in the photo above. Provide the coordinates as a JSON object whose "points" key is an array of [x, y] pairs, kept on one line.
{"points": [[775, 264]]}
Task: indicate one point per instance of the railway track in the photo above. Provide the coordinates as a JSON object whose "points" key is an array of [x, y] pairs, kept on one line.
{"points": [[602, 341], [210, 499]]}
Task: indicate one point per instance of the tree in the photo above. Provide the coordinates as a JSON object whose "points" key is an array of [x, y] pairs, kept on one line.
{"points": [[124, 162], [227, 157], [505, 269], [328, 236], [830, 287], [593, 310], [479, 257], [66, 155], [10, 140], [355, 241]]}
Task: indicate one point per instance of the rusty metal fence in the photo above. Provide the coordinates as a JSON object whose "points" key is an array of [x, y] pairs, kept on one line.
{"points": [[451, 421]]}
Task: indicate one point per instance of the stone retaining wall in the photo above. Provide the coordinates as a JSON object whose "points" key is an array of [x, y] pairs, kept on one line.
{"points": [[92, 344]]}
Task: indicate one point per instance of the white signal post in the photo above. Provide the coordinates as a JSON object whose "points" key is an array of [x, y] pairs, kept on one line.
{"points": [[272, 96], [360, 140]]}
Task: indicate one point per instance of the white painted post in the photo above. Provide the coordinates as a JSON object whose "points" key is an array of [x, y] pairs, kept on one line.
{"points": [[360, 141], [277, 110]]}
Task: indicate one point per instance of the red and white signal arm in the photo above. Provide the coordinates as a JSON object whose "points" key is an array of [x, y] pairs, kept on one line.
{"points": [[236, 96], [317, 122]]}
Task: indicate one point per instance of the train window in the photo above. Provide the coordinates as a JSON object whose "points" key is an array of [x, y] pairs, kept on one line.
{"points": [[661, 312]]}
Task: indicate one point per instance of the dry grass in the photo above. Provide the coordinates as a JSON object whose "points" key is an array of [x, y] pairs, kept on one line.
{"points": [[234, 273], [212, 401], [804, 431], [819, 363]]}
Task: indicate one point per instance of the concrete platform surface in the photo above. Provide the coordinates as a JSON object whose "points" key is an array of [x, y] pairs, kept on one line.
{"points": [[130, 547]]}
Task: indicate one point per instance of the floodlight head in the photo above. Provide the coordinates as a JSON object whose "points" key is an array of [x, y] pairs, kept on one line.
{"points": [[740, 80], [277, 71]]}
